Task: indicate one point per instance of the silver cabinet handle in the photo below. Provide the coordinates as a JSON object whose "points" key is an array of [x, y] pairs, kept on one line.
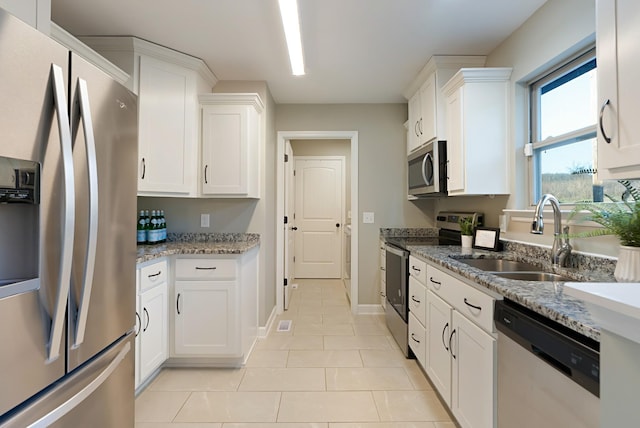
{"points": [[144, 168], [178, 304], [68, 225], [205, 174], [206, 268], [154, 274], [601, 120], [92, 239], [414, 299]]}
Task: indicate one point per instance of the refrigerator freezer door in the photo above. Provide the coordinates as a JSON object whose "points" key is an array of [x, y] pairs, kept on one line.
{"points": [[99, 395], [30, 131], [102, 298]]}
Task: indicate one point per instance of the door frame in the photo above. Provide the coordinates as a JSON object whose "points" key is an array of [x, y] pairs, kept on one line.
{"points": [[343, 196], [284, 136]]}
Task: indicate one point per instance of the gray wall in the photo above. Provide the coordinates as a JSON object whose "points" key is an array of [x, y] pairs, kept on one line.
{"points": [[381, 172]]}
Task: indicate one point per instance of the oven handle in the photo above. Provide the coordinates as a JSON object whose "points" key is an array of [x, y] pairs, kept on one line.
{"points": [[397, 251]]}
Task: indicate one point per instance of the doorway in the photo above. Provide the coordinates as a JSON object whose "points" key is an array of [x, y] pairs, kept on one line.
{"points": [[282, 202]]}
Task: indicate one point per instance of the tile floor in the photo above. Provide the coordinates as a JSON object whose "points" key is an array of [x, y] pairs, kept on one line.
{"points": [[331, 370]]}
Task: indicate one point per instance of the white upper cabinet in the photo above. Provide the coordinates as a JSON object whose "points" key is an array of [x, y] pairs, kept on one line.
{"points": [[477, 125], [617, 35], [167, 83], [426, 102], [36, 13], [231, 134]]}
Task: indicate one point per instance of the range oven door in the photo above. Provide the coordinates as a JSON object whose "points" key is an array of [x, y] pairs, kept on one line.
{"points": [[397, 263]]}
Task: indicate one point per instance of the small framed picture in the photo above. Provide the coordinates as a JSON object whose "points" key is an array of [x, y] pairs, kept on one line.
{"points": [[487, 238]]}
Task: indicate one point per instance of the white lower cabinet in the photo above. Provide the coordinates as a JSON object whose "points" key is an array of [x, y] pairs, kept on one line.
{"points": [[438, 351], [151, 339], [215, 308], [417, 339], [206, 318], [473, 398], [460, 352]]}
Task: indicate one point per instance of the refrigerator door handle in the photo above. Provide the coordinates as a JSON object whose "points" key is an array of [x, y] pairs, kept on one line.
{"points": [[85, 392], [92, 169], [66, 253]]}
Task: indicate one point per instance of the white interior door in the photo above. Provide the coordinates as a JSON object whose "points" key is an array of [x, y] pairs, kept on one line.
{"points": [[319, 201], [289, 227]]}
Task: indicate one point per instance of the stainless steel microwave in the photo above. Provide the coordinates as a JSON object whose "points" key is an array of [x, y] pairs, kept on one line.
{"points": [[427, 170]]}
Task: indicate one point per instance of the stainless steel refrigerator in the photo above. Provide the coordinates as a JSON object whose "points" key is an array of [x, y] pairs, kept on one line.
{"points": [[68, 157]]}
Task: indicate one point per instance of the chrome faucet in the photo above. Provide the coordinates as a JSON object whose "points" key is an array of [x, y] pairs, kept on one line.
{"points": [[561, 249]]}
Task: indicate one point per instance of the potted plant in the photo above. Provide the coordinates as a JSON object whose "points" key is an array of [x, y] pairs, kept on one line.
{"points": [[467, 225], [622, 219]]}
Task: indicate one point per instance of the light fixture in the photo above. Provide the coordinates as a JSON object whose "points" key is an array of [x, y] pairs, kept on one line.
{"points": [[291, 24]]}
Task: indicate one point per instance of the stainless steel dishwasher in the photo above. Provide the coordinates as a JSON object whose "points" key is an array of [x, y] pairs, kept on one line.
{"points": [[548, 375]]}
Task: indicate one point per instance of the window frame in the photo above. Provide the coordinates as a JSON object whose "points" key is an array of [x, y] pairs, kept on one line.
{"points": [[534, 86]]}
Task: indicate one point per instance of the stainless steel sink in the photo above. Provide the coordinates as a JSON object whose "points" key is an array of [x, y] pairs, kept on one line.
{"points": [[510, 269], [533, 276], [499, 265]]}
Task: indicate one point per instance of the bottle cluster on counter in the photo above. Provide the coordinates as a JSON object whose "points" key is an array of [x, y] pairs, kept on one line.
{"points": [[152, 229]]}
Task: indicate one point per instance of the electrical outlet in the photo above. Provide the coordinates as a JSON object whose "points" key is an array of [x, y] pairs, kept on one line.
{"points": [[204, 220], [368, 217]]}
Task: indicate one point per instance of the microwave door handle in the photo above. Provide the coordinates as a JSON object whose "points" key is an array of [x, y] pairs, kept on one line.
{"points": [[92, 239], [429, 158], [68, 225]]}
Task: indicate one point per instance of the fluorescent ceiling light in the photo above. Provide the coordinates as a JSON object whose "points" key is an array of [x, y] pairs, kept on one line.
{"points": [[291, 24]]}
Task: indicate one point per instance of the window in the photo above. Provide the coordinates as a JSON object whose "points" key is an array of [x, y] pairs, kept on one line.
{"points": [[563, 132], [563, 107]]}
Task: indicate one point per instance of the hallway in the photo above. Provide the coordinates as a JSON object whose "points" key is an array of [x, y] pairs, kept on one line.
{"points": [[330, 370]]}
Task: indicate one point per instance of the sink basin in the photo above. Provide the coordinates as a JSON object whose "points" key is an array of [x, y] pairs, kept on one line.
{"points": [[533, 276], [499, 265]]}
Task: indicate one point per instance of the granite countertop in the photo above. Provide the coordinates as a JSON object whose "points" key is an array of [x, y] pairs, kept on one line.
{"points": [[199, 243], [544, 297]]}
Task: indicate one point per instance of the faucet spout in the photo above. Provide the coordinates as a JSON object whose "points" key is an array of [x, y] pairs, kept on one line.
{"points": [[561, 249]]}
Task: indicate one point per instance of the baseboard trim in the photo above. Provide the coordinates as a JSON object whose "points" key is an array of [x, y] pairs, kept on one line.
{"points": [[370, 310], [264, 331]]}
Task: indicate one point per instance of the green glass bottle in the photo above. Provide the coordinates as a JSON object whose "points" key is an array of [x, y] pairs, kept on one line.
{"points": [[142, 233]]}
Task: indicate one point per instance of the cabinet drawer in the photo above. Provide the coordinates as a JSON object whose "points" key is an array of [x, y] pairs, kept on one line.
{"points": [[152, 275], [418, 269], [469, 301], [205, 269], [417, 300], [418, 339], [435, 279]]}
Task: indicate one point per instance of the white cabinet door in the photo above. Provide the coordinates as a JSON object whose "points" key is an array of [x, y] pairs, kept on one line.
{"points": [[417, 300], [415, 122], [231, 138], [438, 356], [473, 399], [428, 103], [153, 343], [418, 340], [206, 318], [477, 126], [455, 136], [617, 34], [167, 144]]}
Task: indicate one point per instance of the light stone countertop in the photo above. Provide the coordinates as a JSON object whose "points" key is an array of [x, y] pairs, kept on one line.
{"points": [[199, 243], [543, 297]]}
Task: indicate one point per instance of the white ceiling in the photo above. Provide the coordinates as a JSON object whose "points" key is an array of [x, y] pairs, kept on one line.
{"points": [[356, 51]]}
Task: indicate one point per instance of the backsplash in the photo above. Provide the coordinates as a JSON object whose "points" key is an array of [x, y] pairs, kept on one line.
{"points": [[581, 261], [409, 232], [212, 237]]}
